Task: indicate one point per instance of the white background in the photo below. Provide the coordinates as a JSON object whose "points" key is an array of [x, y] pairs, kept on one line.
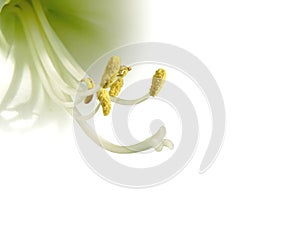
{"points": [[252, 48]]}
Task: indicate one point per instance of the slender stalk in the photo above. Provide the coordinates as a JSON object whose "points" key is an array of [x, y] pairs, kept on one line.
{"points": [[152, 142], [113, 99], [89, 116], [41, 70], [48, 59], [13, 86], [67, 59], [129, 102]]}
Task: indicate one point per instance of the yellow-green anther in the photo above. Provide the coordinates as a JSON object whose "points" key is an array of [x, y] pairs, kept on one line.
{"points": [[90, 85], [111, 71], [124, 70], [104, 99], [115, 88], [158, 80]]}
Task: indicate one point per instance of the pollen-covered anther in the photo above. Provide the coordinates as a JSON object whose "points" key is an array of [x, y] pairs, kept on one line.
{"points": [[123, 71], [111, 71], [158, 80], [116, 87], [104, 99], [90, 85]]}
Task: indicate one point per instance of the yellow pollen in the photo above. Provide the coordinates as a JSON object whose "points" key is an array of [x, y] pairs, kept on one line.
{"points": [[124, 70], [90, 85], [104, 99], [115, 88], [111, 71], [158, 80]]}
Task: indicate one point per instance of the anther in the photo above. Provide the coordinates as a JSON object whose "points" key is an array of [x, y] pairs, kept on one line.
{"points": [[90, 85], [115, 88], [111, 71], [104, 99], [157, 82]]}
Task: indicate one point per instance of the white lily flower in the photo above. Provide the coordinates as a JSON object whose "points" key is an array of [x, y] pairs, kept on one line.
{"points": [[54, 41], [50, 43]]}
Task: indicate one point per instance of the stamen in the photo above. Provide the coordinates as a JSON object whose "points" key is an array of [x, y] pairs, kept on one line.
{"points": [[67, 60], [124, 71], [111, 71], [157, 140], [157, 82], [52, 91], [129, 102], [115, 88], [88, 116], [13, 87], [90, 85], [104, 99]]}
